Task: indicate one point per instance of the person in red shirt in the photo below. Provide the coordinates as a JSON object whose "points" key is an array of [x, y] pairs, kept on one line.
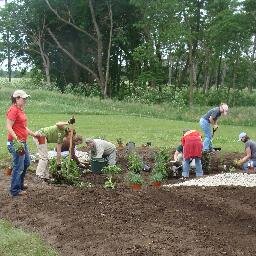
{"points": [[16, 124], [192, 149]]}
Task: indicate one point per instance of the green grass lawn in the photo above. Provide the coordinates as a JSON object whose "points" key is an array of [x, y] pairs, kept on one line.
{"points": [[160, 132], [16, 242], [160, 124]]}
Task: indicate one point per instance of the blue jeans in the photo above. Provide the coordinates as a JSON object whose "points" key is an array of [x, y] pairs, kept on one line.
{"points": [[186, 167], [20, 163], [206, 127], [245, 165]]}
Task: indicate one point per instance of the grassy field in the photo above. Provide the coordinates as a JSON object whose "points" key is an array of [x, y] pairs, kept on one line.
{"points": [[14, 241], [160, 124]]}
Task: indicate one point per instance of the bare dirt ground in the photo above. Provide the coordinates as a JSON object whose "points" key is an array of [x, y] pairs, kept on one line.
{"points": [[153, 221]]}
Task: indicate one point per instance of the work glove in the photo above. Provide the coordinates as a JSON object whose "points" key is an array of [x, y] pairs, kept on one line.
{"points": [[238, 162], [72, 120], [215, 127], [19, 147], [82, 166]]}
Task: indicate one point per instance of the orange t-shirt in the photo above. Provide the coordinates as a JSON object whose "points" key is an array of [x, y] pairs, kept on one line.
{"points": [[20, 123]]}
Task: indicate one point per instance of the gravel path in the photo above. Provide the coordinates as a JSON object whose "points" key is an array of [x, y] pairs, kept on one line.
{"points": [[223, 179]]}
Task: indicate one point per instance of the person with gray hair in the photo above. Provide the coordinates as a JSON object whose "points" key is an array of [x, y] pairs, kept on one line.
{"points": [[211, 119], [102, 149]]}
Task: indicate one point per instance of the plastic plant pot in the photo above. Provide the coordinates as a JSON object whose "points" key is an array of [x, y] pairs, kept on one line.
{"points": [[8, 171], [136, 186], [156, 184]]}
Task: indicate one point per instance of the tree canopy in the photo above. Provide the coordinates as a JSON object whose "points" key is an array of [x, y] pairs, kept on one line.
{"points": [[118, 46]]}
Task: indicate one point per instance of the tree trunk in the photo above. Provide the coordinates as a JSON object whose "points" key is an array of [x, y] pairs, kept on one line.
{"points": [[170, 68], [46, 61], [191, 75], [224, 72]]}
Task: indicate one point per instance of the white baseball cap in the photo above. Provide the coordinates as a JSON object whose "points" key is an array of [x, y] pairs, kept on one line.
{"points": [[225, 108], [241, 135], [20, 93]]}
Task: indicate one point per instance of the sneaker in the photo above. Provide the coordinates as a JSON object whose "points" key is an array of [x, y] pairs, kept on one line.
{"points": [[183, 178], [22, 193], [25, 186]]}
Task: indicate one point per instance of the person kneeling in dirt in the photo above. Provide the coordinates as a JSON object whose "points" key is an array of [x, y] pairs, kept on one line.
{"points": [[192, 149], [51, 134], [249, 160], [102, 149]]}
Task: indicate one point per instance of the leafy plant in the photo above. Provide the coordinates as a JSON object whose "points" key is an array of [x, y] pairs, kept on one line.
{"points": [[109, 183], [156, 176], [135, 178], [69, 173], [162, 158], [119, 141], [110, 171], [134, 163], [19, 147]]}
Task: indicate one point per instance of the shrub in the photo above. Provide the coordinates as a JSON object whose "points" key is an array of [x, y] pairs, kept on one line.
{"points": [[134, 163], [135, 178], [69, 173]]}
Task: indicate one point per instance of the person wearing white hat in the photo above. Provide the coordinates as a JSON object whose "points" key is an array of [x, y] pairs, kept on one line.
{"points": [[102, 148], [211, 119], [249, 160], [16, 124]]}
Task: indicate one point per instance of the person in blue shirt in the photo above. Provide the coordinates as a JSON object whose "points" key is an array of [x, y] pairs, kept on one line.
{"points": [[209, 120]]}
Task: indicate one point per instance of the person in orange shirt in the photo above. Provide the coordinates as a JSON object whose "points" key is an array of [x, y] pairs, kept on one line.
{"points": [[192, 149], [16, 124]]}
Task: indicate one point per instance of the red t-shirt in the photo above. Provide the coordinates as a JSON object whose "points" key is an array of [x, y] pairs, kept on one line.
{"points": [[20, 123], [192, 144]]}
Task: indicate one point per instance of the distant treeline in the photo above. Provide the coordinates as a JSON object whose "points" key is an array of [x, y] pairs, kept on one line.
{"points": [[118, 48]]}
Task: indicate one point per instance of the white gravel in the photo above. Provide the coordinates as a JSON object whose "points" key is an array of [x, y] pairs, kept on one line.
{"points": [[223, 179]]}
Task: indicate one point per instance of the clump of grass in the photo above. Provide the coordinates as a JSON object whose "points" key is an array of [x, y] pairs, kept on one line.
{"points": [[14, 241]]}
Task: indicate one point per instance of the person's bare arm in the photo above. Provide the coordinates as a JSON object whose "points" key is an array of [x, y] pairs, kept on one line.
{"points": [[58, 149], [31, 132], [9, 124], [247, 156]]}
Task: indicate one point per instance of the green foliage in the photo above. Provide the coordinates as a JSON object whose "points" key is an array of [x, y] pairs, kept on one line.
{"points": [[69, 173], [161, 161], [18, 146], [15, 241], [110, 171], [134, 163], [109, 183], [156, 176], [135, 178]]}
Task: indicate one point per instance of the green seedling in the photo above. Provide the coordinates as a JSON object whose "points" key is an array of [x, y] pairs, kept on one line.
{"points": [[157, 176], [110, 171], [135, 178], [109, 183], [134, 163]]}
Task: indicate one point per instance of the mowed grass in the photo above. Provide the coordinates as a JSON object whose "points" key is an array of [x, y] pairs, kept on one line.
{"points": [[16, 242], [160, 132], [161, 125]]}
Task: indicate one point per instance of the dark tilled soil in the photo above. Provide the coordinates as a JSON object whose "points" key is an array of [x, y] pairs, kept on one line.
{"points": [[153, 221]]}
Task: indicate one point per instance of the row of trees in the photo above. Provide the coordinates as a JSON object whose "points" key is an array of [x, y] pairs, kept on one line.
{"points": [[120, 45]]}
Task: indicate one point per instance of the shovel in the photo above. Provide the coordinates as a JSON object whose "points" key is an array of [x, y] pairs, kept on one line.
{"points": [[71, 122], [213, 131]]}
